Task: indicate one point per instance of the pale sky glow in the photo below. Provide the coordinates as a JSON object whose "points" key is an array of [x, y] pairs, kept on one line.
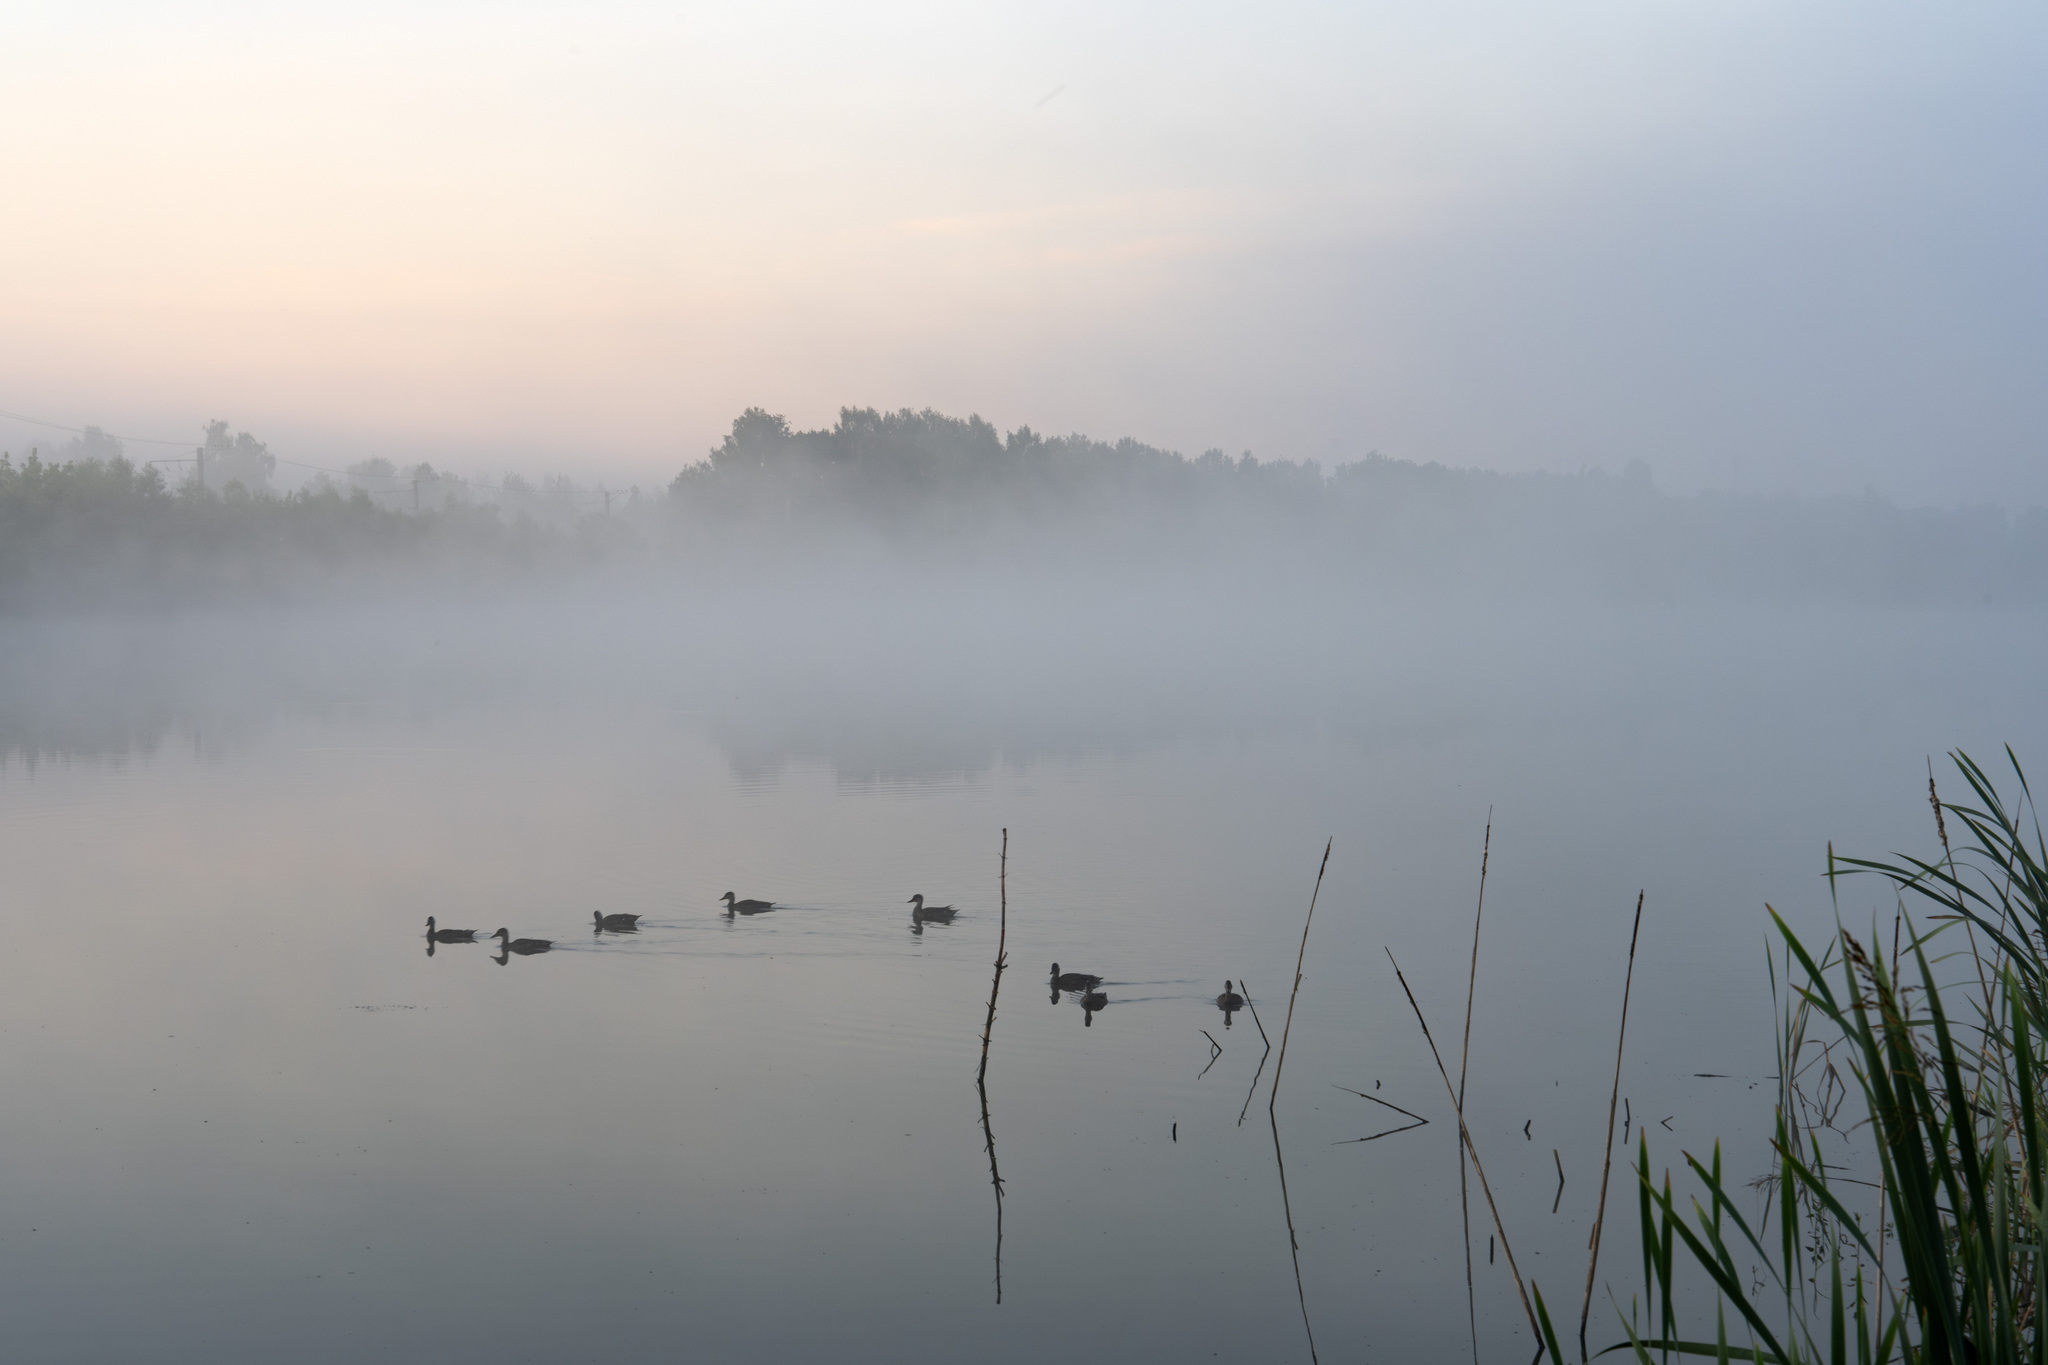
{"points": [[1761, 247]]}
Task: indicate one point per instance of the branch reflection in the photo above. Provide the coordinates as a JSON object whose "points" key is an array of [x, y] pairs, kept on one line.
{"points": [[996, 1179]]}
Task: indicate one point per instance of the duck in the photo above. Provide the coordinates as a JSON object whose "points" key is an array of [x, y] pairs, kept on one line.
{"points": [[1091, 1001], [1073, 981], [525, 947], [448, 935], [745, 907], [1230, 999], [940, 914], [618, 924]]}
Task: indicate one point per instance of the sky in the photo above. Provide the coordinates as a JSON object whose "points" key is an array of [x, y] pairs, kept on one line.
{"points": [[1765, 248]]}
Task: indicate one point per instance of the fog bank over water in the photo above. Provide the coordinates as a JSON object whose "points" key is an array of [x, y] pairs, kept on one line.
{"points": [[909, 501]]}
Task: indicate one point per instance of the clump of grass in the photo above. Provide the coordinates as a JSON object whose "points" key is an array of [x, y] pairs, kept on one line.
{"points": [[1953, 1091]]}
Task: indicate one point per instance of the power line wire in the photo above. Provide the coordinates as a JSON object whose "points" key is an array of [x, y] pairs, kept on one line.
{"points": [[81, 431]]}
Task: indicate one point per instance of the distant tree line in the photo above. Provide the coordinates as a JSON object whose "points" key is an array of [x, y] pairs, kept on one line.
{"points": [[91, 528], [1385, 523], [96, 530]]}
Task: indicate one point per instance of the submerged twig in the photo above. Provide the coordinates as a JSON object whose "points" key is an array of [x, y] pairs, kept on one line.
{"points": [[1377, 1100], [1287, 1028], [1465, 1134], [1387, 1132], [1464, 1055], [1607, 1160], [1215, 1051]]}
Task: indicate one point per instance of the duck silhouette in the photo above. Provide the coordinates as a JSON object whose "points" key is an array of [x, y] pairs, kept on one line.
{"points": [[739, 907], [1091, 1001], [618, 924], [525, 947], [448, 935], [1072, 981], [1230, 1002], [920, 913]]}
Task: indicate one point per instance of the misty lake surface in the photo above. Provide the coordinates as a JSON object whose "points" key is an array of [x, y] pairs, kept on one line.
{"points": [[251, 1117]]}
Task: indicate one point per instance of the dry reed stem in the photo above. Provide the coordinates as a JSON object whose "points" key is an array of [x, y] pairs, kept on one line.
{"points": [[1464, 1054], [1280, 1064], [1607, 1161], [1500, 1229]]}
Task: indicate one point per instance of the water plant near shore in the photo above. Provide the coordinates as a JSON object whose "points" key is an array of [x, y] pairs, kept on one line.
{"points": [[1937, 1258]]}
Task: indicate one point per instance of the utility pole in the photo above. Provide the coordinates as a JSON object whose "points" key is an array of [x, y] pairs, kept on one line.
{"points": [[200, 451]]}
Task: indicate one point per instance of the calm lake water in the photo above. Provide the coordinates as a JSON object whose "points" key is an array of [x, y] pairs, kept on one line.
{"points": [[251, 1117]]}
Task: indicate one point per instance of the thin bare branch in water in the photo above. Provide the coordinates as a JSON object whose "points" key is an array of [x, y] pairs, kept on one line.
{"points": [[1500, 1229], [1002, 956], [1419, 1120], [1464, 1054], [1377, 1100], [1607, 1161], [1285, 1029], [1560, 1180], [1215, 1051], [1246, 991], [988, 1029]]}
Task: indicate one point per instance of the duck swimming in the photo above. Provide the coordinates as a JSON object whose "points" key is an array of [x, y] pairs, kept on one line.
{"points": [[1230, 999], [618, 924], [1091, 1001], [936, 914], [525, 947], [448, 935], [1072, 981], [736, 907]]}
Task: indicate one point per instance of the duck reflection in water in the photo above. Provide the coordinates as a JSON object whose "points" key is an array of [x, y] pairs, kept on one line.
{"points": [[1091, 1001], [740, 907], [922, 914], [617, 924], [1230, 1002], [435, 935], [525, 947], [1071, 982]]}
